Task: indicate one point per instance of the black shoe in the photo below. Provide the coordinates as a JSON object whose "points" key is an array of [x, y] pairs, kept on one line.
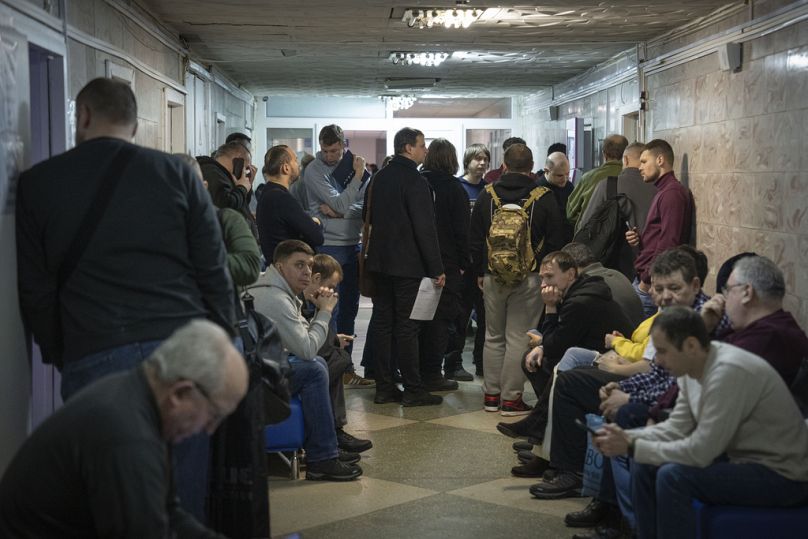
{"points": [[332, 470], [460, 374], [421, 398], [522, 446], [351, 443], [383, 397], [439, 383], [533, 468], [348, 457], [563, 485], [525, 456], [512, 430], [591, 515], [604, 532]]}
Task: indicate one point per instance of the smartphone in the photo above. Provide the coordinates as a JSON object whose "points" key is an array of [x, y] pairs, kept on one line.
{"points": [[238, 167], [535, 332], [583, 426]]}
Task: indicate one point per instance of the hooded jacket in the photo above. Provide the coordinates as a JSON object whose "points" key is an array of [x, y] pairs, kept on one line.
{"points": [[303, 338], [322, 188], [545, 219], [585, 315], [224, 193]]}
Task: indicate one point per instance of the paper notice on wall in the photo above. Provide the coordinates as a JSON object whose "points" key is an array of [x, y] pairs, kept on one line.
{"points": [[426, 302]]}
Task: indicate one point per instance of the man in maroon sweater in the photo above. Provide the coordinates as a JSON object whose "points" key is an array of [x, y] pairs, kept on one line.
{"points": [[753, 301], [670, 218]]}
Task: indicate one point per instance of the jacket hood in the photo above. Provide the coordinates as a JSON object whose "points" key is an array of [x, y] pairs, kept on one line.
{"points": [[587, 288], [210, 166], [276, 280], [514, 185]]}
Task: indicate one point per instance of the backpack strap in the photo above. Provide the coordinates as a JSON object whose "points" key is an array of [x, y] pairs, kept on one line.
{"points": [[611, 187], [490, 190], [535, 195], [110, 179]]}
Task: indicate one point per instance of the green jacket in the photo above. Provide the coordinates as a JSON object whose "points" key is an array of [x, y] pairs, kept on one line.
{"points": [[243, 256], [579, 198]]}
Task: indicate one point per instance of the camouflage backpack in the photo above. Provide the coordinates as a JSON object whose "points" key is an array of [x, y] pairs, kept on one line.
{"points": [[510, 254]]}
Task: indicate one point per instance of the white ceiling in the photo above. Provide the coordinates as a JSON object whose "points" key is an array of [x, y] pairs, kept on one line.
{"points": [[342, 47]]}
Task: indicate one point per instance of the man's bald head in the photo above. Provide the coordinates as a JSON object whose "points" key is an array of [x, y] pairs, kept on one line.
{"points": [[519, 159], [557, 169], [614, 146], [631, 155]]}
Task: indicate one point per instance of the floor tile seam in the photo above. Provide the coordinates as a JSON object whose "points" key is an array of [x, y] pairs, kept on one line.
{"points": [[364, 515]]}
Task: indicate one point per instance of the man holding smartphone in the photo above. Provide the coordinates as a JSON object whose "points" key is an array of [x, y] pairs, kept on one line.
{"points": [[230, 174]]}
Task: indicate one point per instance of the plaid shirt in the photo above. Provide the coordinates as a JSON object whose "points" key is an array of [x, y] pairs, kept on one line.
{"points": [[647, 387]]}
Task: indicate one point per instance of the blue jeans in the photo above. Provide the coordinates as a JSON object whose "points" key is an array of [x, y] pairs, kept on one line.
{"points": [[82, 372], [310, 380], [576, 357], [672, 487], [649, 308], [344, 315], [190, 456]]}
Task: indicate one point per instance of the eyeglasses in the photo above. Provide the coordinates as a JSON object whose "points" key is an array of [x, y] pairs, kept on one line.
{"points": [[216, 414], [729, 287]]}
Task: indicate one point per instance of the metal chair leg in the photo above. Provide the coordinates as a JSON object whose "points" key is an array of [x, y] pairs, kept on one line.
{"points": [[294, 466]]}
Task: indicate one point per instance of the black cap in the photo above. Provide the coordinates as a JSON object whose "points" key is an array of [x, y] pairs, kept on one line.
{"points": [[236, 136], [722, 276]]}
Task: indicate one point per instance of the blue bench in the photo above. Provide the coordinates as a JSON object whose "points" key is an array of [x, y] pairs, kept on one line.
{"points": [[287, 437], [734, 522]]}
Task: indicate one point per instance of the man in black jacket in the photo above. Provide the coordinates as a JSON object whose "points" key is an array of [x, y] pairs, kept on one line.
{"points": [[402, 250], [578, 311], [99, 466], [154, 261], [280, 216], [230, 180], [510, 311]]}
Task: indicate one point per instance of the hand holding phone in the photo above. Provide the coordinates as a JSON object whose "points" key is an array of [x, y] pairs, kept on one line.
{"points": [[583, 426]]}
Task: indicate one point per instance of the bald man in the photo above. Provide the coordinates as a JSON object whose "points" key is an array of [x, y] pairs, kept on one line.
{"points": [[100, 466], [556, 179], [629, 183]]}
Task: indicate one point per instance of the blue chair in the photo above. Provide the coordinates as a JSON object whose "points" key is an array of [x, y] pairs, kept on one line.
{"points": [[287, 437], [735, 522]]}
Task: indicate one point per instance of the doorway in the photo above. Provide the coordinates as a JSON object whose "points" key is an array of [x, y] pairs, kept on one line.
{"points": [[48, 138]]}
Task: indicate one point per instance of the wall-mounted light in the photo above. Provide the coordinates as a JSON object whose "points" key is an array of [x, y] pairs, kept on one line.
{"points": [[427, 59], [399, 102], [458, 17]]}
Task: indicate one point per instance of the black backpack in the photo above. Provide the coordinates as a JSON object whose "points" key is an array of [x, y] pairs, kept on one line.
{"points": [[606, 229]]}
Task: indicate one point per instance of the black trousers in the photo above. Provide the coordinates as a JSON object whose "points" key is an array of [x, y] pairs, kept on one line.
{"points": [[576, 394], [392, 306], [338, 364], [471, 298]]}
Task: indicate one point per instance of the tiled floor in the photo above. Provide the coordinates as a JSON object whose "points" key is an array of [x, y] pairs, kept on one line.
{"points": [[437, 471]]}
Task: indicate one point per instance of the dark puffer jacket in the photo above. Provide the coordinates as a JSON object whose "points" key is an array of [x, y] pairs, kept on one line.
{"points": [[585, 315]]}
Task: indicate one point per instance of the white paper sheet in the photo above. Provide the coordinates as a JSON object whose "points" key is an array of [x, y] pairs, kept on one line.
{"points": [[426, 303]]}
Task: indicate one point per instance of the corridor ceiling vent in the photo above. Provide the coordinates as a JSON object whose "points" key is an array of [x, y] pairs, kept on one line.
{"points": [[456, 17], [426, 59]]}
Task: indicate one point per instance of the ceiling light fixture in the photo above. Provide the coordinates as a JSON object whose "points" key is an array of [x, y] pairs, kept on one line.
{"points": [[399, 102], [427, 59], [458, 17]]}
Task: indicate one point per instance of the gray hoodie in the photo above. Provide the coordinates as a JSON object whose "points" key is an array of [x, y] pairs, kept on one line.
{"points": [[275, 299], [321, 188]]}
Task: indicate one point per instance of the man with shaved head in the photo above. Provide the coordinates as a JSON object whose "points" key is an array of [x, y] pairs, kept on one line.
{"points": [[613, 148], [629, 183], [512, 308], [556, 179]]}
